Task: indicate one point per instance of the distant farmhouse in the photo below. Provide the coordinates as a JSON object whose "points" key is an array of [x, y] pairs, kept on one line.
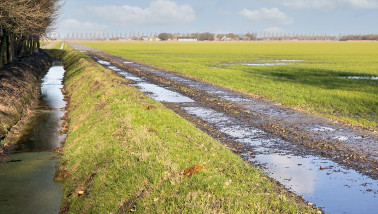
{"points": [[186, 39], [150, 38]]}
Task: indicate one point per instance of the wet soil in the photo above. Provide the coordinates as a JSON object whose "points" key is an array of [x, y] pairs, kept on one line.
{"points": [[314, 157]]}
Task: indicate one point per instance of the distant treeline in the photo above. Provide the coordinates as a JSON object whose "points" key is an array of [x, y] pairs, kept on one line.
{"points": [[206, 36], [359, 37]]}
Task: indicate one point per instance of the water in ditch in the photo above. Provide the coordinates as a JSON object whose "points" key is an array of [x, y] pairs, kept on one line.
{"points": [[27, 176], [325, 183]]}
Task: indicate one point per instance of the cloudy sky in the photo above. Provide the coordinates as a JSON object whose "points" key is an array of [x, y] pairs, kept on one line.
{"points": [[219, 16]]}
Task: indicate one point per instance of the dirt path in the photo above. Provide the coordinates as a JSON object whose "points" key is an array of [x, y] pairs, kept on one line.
{"points": [[310, 155]]}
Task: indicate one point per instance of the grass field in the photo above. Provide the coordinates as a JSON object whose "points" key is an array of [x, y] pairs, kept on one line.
{"points": [[312, 76], [128, 156]]}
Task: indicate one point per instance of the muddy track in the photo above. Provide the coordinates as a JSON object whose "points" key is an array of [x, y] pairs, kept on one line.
{"points": [[309, 134]]}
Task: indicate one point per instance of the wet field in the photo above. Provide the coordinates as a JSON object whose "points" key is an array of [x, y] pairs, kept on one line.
{"points": [[27, 176], [320, 179]]}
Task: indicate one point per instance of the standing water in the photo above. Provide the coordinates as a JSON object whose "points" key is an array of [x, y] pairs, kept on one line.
{"points": [[27, 176]]}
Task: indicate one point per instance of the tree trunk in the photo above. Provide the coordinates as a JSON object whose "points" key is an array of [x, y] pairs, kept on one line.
{"points": [[38, 46], [2, 49], [8, 51], [13, 47], [21, 45], [31, 46], [27, 45]]}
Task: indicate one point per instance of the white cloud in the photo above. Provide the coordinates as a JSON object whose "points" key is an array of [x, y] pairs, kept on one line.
{"points": [[159, 12], [360, 4], [72, 25], [323, 5], [328, 5], [271, 16]]}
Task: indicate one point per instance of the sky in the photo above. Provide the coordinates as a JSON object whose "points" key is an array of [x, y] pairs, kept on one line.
{"points": [[219, 16]]}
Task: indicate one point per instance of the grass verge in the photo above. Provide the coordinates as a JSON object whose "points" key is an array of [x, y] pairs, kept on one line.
{"points": [[311, 76], [127, 152]]}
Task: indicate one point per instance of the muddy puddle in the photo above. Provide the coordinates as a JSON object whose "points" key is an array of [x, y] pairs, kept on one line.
{"points": [[273, 62], [360, 77], [156, 92], [326, 183], [27, 176]]}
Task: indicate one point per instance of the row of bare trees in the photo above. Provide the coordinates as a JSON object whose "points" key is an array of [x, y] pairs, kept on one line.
{"points": [[210, 36], [359, 37], [206, 36], [22, 23]]}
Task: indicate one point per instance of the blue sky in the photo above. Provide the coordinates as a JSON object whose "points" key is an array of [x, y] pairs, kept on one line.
{"points": [[219, 16]]}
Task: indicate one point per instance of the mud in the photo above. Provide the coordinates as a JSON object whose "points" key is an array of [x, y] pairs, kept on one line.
{"points": [[312, 156]]}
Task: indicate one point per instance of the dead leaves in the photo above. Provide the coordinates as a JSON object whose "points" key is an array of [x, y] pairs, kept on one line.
{"points": [[189, 172]]}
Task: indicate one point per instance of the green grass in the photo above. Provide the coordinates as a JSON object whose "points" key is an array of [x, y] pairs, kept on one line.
{"points": [[118, 151], [314, 85]]}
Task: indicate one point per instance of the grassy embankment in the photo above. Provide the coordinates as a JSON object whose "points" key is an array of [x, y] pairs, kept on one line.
{"points": [[19, 83], [314, 84], [128, 152]]}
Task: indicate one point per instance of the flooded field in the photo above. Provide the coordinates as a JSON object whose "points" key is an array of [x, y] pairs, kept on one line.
{"points": [[319, 179], [27, 176]]}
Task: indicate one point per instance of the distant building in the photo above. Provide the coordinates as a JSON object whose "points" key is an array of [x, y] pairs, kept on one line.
{"points": [[186, 39], [150, 38], [226, 38]]}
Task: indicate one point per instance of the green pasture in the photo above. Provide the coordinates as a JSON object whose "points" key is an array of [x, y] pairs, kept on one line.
{"points": [[128, 157], [316, 81]]}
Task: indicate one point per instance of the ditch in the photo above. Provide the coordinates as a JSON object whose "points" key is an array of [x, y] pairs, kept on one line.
{"points": [[27, 174]]}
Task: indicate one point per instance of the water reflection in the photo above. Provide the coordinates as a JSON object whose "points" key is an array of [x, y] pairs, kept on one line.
{"points": [[26, 178], [291, 170]]}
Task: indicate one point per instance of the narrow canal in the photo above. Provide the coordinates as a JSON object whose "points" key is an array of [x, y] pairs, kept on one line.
{"points": [[327, 184], [27, 176]]}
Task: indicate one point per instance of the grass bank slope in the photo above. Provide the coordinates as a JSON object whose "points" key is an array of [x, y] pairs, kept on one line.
{"points": [[311, 76], [19, 82], [129, 153]]}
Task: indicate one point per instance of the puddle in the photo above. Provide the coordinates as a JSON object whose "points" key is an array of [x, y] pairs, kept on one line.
{"points": [[161, 94], [275, 62], [266, 64], [156, 92], [102, 62], [27, 177], [323, 129], [342, 138], [361, 78], [114, 68], [131, 77], [324, 182], [336, 189]]}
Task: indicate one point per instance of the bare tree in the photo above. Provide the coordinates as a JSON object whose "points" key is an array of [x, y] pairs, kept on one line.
{"points": [[22, 23]]}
